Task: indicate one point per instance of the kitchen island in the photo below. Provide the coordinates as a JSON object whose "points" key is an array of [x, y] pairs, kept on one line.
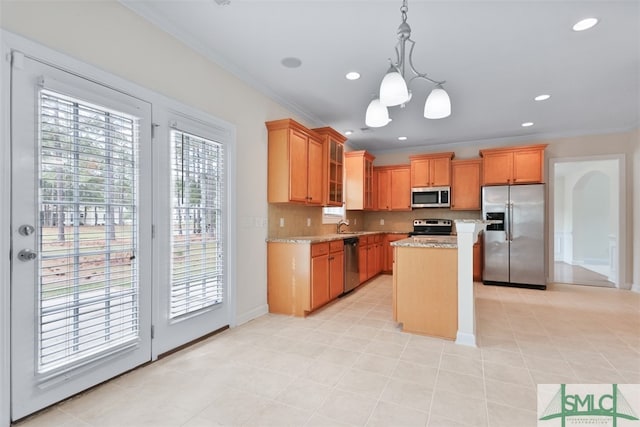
{"points": [[433, 283], [425, 285]]}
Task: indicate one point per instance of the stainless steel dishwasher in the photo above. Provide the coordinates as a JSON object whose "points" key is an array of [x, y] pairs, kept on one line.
{"points": [[351, 273]]}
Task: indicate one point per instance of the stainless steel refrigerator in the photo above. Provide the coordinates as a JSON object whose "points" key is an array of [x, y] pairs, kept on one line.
{"points": [[514, 248]]}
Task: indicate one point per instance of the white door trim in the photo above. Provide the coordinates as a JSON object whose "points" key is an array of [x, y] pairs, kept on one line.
{"points": [[621, 231]]}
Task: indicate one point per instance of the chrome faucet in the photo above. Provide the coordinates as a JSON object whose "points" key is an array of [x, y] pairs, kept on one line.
{"points": [[340, 223]]}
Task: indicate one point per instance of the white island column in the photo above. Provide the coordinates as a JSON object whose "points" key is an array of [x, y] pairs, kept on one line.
{"points": [[467, 231]]}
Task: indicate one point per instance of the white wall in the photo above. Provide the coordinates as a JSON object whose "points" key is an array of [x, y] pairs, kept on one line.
{"points": [[127, 46], [626, 143], [635, 142], [151, 58]]}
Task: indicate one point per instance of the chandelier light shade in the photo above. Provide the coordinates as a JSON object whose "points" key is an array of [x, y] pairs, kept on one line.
{"points": [[438, 104], [377, 114], [394, 89]]}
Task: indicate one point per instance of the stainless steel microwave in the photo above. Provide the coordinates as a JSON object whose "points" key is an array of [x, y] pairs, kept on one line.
{"points": [[430, 197]]}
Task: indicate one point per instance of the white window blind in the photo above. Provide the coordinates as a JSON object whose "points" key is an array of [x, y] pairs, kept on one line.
{"points": [[197, 242], [88, 272]]}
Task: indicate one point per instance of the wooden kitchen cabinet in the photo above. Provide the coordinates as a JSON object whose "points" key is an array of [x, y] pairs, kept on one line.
{"points": [[388, 252], [302, 277], [478, 258], [319, 275], [513, 165], [393, 187], [359, 180], [363, 250], [466, 184], [431, 170], [295, 164], [333, 179], [336, 268]]}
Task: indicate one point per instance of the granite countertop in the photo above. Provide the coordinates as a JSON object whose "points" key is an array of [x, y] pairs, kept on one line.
{"points": [[446, 242], [328, 237]]}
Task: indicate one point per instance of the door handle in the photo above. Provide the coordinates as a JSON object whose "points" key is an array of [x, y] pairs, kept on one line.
{"points": [[511, 221], [27, 255]]}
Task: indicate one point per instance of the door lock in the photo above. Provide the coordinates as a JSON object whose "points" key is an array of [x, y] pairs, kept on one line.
{"points": [[26, 230], [27, 255]]}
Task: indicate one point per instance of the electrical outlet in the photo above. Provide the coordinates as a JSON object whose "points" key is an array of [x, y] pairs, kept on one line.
{"points": [[281, 222], [308, 222], [355, 221], [382, 222]]}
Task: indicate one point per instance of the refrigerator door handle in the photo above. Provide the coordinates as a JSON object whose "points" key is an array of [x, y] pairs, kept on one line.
{"points": [[507, 223], [511, 222]]}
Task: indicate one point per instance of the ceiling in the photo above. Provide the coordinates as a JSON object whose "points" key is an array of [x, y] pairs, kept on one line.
{"points": [[495, 56]]}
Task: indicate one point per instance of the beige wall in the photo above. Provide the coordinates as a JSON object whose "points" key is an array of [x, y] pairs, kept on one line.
{"points": [[626, 143], [129, 47]]}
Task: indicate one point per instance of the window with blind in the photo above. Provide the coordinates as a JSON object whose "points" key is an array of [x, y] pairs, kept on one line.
{"points": [[88, 230], [197, 251]]}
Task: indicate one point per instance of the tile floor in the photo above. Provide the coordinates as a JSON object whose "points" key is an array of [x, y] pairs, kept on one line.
{"points": [[350, 365]]}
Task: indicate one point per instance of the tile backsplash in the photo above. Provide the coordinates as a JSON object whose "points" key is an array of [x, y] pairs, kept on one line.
{"points": [[307, 220]]}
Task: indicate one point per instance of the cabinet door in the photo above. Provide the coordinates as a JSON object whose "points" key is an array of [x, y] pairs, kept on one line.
{"points": [[319, 281], [368, 184], [528, 166], [384, 193], [465, 185], [420, 173], [440, 172], [477, 261], [335, 173], [371, 260], [400, 189], [336, 274], [362, 262], [497, 168], [315, 165], [298, 166]]}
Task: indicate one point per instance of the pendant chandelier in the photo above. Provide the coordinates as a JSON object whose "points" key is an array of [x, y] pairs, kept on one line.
{"points": [[394, 89]]}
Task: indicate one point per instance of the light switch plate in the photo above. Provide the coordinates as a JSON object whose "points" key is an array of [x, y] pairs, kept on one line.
{"points": [[281, 222], [308, 222], [382, 222]]}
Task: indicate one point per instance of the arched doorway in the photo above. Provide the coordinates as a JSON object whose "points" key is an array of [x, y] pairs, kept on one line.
{"points": [[586, 226]]}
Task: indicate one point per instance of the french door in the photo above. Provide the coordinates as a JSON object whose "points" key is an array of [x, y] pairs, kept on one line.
{"points": [[81, 229], [119, 237], [190, 239]]}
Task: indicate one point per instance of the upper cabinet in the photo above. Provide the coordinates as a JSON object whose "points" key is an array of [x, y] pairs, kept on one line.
{"points": [[465, 184], [393, 188], [431, 170], [513, 165], [298, 165], [359, 180], [333, 180]]}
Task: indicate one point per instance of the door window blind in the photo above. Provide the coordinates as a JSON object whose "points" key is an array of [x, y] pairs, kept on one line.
{"points": [[197, 252], [88, 231]]}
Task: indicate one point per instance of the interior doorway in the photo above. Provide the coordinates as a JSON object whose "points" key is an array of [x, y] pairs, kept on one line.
{"points": [[586, 220]]}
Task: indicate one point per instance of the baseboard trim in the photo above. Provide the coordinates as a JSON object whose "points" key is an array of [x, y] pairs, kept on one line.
{"points": [[635, 287], [464, 338], [252, 314]]}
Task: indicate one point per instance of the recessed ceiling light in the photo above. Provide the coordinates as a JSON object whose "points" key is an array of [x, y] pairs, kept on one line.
{"points": [[527, 124], [291, 62], [353, 75], [402, 138], [585, 24], [348, 132], [542, 97]]}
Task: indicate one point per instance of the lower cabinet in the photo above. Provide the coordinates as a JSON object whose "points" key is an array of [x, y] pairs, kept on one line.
{"points": [[478, 258], [336, 269], [302, 277], [370, 256], [387, 250]]}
